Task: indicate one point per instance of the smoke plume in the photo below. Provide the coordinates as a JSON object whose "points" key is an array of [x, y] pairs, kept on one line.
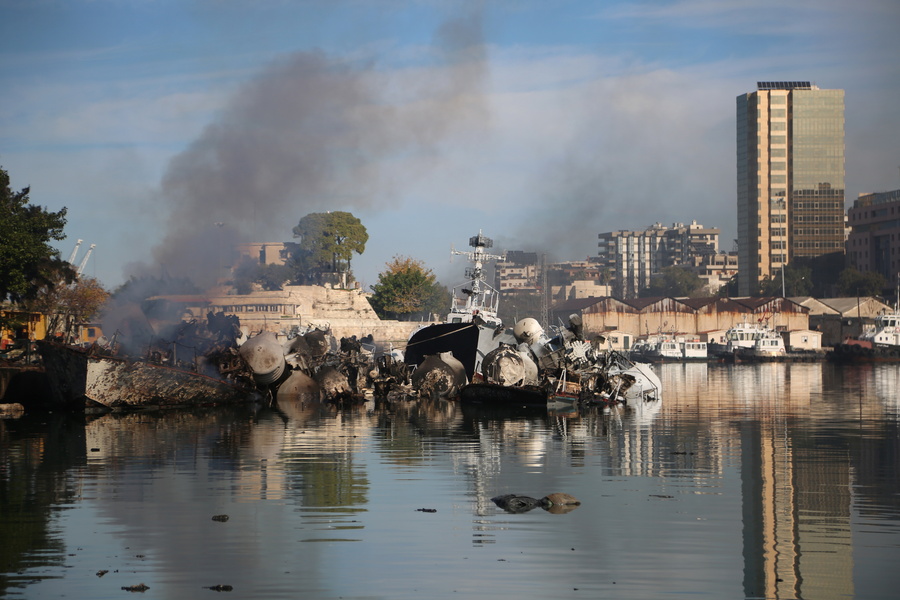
{"points": [[310, 133]]}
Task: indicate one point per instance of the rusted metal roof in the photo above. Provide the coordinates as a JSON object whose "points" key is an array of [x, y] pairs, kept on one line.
{"points": [[577, 303]]}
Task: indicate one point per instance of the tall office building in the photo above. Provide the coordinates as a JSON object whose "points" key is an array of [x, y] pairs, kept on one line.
{"points": [[790, 177]]}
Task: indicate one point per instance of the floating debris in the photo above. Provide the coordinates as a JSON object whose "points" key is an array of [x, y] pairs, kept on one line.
{"points": [[556, 503]]}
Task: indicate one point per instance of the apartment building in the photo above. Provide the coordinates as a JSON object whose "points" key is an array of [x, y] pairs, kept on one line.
{"points": [[632, 258]]}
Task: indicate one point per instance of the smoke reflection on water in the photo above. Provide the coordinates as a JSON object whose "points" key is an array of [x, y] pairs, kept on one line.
{"points": [[775, 481]]}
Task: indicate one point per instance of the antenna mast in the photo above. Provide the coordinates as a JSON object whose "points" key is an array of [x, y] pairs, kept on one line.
{"points": [[477, 257]]}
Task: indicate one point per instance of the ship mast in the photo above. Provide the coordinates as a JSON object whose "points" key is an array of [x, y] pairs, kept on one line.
{"points": [[476, 296]]}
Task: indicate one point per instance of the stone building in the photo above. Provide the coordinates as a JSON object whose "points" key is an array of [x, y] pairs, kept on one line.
{"points": [[344, 312]]}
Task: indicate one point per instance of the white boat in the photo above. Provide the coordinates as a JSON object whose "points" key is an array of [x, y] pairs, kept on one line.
{"points": [[694, 350], [666, 349], [671, 349], [768, 346], [744, 336], [646, 385], [885, 332], [879, 342], [753, 341]]}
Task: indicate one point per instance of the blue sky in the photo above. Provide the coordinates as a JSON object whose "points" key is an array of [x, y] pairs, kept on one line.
{"points": [[540, 123]]}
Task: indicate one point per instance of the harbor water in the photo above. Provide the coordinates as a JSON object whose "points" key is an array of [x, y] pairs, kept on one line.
{"points": [[746, 481]]}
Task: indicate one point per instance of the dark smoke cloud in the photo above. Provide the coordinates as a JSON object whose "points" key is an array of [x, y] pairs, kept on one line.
{"points": [[312, 133]]}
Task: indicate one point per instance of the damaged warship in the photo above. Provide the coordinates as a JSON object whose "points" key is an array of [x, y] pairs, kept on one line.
{"points": [[472, 357]]}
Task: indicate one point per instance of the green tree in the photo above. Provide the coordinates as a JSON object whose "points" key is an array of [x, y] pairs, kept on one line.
{"points": [[328, 241], [28, 263], [673, 281], [406, 290], [730, 287], [855, 283], [797, 282]]}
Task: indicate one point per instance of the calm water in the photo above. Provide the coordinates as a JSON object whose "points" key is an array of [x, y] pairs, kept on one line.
{"points": [[765, 481]]}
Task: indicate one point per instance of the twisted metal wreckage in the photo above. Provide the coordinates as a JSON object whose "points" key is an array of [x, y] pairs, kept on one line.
{"points": [[470, 357]]}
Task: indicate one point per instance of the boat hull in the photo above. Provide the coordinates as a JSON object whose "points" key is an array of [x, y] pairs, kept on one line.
{"points": [[863, 352], [461, 339], [79, 378], [492, 394]]}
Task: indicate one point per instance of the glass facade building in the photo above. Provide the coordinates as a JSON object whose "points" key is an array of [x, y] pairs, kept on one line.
{"points": [[790, 177]]}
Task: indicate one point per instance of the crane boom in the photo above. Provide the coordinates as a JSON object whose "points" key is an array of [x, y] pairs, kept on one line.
{"points": [[85, 259], [74, 252]]}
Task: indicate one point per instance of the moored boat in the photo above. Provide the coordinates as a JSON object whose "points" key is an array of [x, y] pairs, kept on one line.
{"points": [[660, 348], [879, 342], [752, 341], [769, 346], [694, 350], [666, 349]]}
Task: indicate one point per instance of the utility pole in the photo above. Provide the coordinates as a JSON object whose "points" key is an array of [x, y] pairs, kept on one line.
{"points": [[545, 308], [783, 295]]}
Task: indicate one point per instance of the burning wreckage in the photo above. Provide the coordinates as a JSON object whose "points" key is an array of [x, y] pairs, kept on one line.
{"points": [[185, 364], [523, 366], [154, 362], [470, 357], [468, 361]]}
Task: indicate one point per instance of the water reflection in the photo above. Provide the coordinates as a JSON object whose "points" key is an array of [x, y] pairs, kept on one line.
{"points": [[759, 481]]}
